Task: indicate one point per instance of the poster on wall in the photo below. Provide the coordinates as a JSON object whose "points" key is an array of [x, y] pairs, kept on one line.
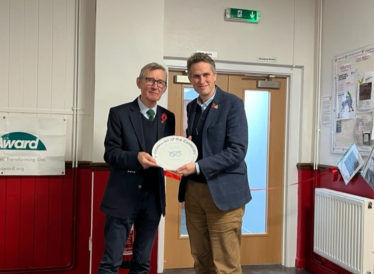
{"points": [[326, 111], [354, 101], [346, 92], [32, 145]]}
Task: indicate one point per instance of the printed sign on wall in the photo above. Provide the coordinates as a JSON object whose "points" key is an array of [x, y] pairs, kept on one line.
{"points": [[32, 145]]}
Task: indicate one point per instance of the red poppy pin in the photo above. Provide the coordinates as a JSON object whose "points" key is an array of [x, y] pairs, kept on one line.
{"points": [[214, 106], [163, 117]]}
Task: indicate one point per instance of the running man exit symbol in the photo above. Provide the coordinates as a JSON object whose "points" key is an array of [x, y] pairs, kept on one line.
{"points": [[251, 16]]}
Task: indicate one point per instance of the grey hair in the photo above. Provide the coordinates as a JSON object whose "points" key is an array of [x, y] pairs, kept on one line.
{"points": [[200, 57], [151, 67]]}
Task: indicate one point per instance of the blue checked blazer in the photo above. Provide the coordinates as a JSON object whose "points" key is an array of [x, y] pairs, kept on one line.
{"points": [[225, 142]]}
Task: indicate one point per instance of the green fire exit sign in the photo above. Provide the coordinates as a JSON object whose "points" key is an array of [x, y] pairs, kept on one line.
{"points": [[251, 16]]}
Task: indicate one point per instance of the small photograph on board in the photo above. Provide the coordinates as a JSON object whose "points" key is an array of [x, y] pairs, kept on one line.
{"points": [[365, 90], [368, 170], [350, 163], [339, 126], [366, 138]]}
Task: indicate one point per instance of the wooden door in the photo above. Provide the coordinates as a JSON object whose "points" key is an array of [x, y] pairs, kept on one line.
{"points": [[258, 248]]}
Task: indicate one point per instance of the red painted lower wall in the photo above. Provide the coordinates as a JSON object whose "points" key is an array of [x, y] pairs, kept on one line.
{"points": [[305, 257], [45, 223]]}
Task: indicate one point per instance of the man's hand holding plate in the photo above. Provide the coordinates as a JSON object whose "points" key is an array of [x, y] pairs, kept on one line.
{"points": [[147, 160], [186, 169]]}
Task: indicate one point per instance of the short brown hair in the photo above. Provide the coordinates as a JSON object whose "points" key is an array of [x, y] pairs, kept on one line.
{"points": [[200, 57]]}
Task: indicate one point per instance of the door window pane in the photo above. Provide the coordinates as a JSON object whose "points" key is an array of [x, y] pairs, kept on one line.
{"points": [[188, 95], [257, 107]]}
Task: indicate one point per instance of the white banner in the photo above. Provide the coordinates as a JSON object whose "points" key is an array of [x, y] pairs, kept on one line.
{"points": [[32, 145]]}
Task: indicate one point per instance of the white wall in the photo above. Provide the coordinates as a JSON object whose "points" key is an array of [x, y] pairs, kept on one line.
{"points": [[38, 65], [347, 25], [86, 78], [37, 59], [129, 34], [200, 25]]}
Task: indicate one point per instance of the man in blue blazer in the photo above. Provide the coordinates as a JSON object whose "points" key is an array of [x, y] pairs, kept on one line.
{"points": [[215, 188], [135, 191]]}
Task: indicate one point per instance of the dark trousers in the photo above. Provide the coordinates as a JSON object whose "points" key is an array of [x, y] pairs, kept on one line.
{"points": [[145, 218]]}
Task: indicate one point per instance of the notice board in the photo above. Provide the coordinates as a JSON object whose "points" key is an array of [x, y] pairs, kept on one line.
{"points": [[352, 119]]}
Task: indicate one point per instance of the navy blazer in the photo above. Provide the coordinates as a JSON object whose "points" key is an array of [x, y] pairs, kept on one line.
{"points": [[225, 142], [123, 140]]}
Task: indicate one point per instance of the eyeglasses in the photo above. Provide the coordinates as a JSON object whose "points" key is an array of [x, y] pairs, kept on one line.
{"points": [[151, 82]]}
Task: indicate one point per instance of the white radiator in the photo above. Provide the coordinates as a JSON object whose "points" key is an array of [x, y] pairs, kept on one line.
{"points": [[343, 229]]}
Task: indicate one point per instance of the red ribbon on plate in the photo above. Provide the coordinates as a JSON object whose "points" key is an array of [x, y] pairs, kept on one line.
{"points": [[172, 175]]}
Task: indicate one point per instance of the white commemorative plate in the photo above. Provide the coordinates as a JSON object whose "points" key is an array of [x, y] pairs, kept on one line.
{"points": [[174, 151]]}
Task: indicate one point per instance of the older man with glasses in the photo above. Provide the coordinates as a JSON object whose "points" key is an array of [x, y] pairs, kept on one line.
{"points": [[135, 191]]}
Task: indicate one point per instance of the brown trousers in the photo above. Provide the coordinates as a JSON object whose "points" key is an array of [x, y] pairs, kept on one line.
{"points": [[215, 235]]}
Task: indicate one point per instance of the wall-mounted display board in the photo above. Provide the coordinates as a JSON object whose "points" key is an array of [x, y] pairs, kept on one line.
{"points": [[352, 121]]}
